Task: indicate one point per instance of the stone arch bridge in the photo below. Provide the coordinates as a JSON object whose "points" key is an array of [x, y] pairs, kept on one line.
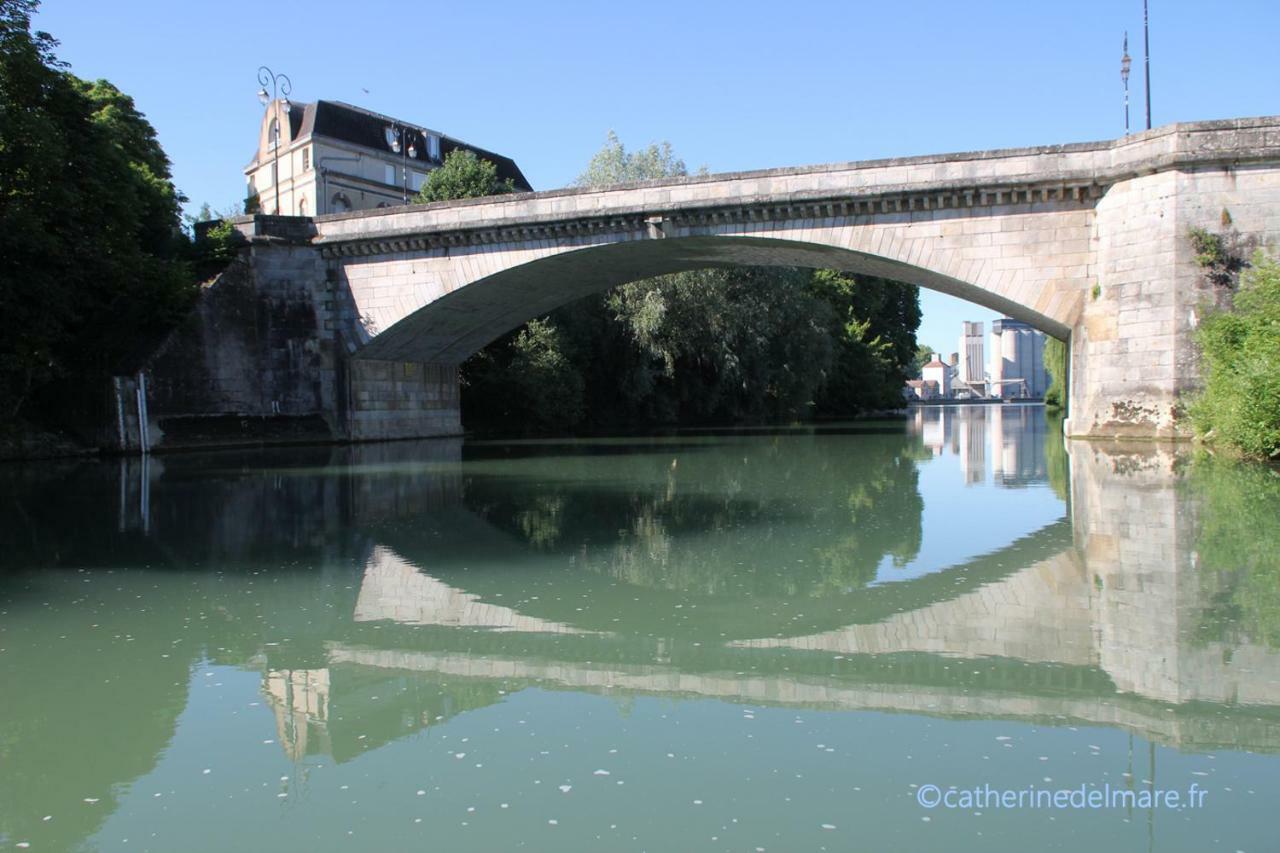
{"points": [[363, 317]]}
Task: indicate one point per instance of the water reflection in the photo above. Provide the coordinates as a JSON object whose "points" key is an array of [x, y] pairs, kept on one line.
{"points": [[385, 592]]}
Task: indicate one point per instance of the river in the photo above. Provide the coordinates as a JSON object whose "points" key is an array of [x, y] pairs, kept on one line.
{"points": [[946, 633]]}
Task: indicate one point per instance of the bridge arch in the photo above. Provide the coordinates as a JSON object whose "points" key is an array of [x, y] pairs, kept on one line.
{"points": [[448, 329]]}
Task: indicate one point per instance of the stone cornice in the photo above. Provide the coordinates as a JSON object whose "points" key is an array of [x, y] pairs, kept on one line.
{"points": [[659, 221], [1074, 174]]}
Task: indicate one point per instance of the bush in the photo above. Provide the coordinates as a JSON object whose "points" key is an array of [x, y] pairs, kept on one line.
{"points": [[1240, 406]]}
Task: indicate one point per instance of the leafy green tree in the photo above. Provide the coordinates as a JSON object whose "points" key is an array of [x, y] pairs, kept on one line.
{"points": [[1240, 406], [614, 164], [745, 343], [1055, 364], [875, 341], [463, 175], [89, 230]]}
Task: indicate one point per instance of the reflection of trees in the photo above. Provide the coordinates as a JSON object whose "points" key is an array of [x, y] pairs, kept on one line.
{"points": [[1239, 550], [802, 513], [1056, 462]]}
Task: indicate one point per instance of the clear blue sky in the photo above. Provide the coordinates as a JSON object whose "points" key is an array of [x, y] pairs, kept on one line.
{"points": [[732, 85]]}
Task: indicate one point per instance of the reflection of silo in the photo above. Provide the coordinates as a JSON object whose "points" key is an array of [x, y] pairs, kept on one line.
{"points": [[971, 433]]}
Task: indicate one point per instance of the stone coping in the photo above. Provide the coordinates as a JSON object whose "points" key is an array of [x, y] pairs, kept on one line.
{"points": [[1080, 164]]}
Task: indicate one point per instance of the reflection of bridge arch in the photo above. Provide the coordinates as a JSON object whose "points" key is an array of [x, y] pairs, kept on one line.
{"points": [[718, 619]]}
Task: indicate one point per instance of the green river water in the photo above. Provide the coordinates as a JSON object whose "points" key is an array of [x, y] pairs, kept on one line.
{"points": [[776, 639]]}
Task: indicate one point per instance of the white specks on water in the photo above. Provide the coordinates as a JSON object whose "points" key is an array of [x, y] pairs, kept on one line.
{"points": [[504, 805], [600, 773], [459, 755], [828, 826], [206, 771], [421, 793], [697, 802], [1003, 738], [553, 822], [91, 800], [564, 789]]}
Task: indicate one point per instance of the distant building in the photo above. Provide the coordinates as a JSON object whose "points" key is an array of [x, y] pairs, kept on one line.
{"points": [[938, 372], [972, 375], [1017, 360], [333, 157]]}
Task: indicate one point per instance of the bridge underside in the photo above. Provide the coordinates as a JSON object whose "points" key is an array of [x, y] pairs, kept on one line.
{"points": [[459, 323]]}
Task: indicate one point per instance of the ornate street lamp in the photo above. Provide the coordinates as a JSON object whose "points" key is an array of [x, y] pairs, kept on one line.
{"points": [[399, 141], [279, 84], [1125, 62]]}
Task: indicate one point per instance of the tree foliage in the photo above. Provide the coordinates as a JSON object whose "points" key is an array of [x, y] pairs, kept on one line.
{"points": [[1055, 364], [1240, 406], [463, 175], [89, 228], [712, 345]]}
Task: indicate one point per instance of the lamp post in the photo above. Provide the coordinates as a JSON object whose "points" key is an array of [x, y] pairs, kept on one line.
{"points": [[398, 141], [279, 83], [1125, 62], [1146, 58]]}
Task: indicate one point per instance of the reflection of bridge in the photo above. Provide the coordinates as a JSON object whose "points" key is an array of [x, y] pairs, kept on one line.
{"points": [[1100, 633]]}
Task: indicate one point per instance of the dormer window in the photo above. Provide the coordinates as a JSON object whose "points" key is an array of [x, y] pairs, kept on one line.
{"points": [[433, 146], [273, 133]]}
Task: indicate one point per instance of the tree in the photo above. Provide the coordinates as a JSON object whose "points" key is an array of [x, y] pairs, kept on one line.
{"points": [[613, 164], [89, 229], [463, 175], [875, 337], [1055, 364]]}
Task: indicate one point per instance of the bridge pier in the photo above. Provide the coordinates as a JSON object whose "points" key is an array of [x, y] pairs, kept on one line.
{"points": [[400, 399], [1134, 363]]}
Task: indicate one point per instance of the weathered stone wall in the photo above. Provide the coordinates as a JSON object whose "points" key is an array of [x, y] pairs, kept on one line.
{"points": [[1134, 359], [253, 351], [402, 399]]}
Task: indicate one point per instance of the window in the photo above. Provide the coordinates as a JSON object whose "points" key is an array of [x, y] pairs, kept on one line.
{"points": [[416, 179], [306, 159], [433, 146], [390, 176], [273, 133], [302, 206], [340, 203]]}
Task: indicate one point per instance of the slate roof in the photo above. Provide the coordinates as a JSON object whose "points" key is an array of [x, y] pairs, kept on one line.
{"points": [[365, 128]]}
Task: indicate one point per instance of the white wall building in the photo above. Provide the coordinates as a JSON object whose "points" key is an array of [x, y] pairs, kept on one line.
{"points": [[939, 372], [329, 157]]}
